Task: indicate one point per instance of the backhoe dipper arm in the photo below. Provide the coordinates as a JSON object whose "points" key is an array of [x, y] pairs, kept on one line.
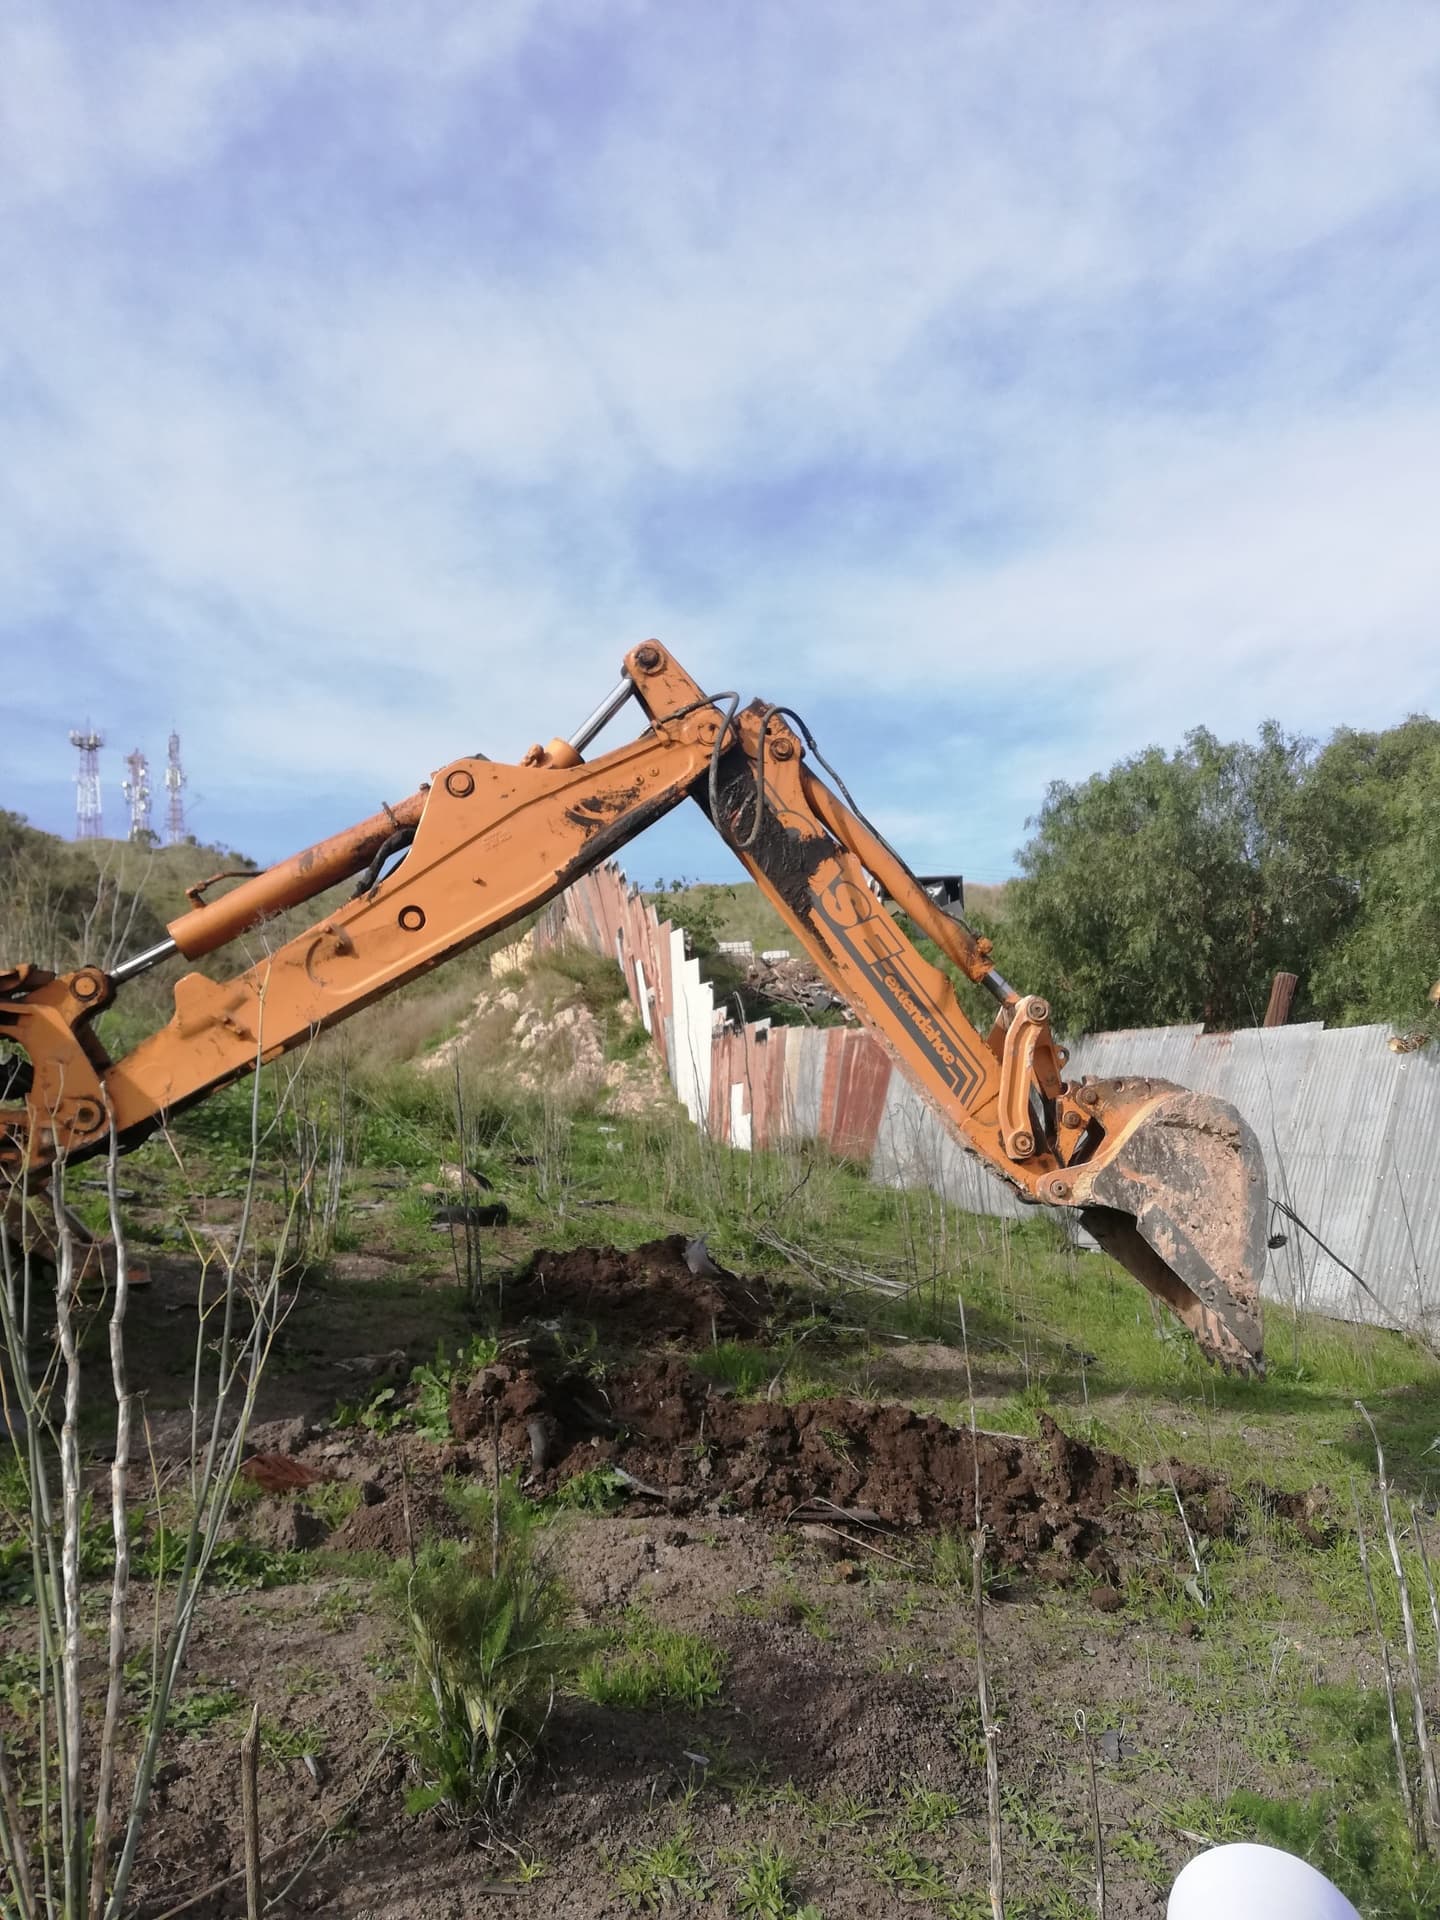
{"points": [[486, 843]]}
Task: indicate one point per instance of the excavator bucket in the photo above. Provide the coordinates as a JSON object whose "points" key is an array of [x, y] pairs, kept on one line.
{"points": [[1181, 1203]]}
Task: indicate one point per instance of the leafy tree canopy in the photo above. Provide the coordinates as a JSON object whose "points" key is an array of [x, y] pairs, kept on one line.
{"points": [[1174, 887]]}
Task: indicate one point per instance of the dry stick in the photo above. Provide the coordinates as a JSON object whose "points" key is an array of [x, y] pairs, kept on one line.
{"points": [[1082, 1727], [19, 1866], [1429, 1581], [992, 1758], [120, 1582], [982, 1678], [405, 1503], [324, 1827], [1428, 1780], [68, 1720], [1195, 1560], [250, 1813], [1402, 1773]]}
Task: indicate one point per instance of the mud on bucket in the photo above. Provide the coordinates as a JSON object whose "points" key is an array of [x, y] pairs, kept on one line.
{"points": [[1181, 1203]]}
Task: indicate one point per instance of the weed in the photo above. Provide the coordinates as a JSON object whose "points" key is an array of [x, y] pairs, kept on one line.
{"points": [[192, 1710], [1143, 1854], [19, 1682], [900, 1868], [332, 1501], [848, 1810], [952, 1557], [490, 1653], [596, 1490], [654, 1666], [765, 1885], [671, 1870], [925, 1810], [234, 1564], [473, 1502], [427, 1412], [1034, 1826], [284, 1744], [338, 1607]]}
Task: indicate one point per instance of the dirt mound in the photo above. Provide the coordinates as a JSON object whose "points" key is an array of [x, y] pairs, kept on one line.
{"points": [[692, 1445], [388, 1528], [648, 1294]]}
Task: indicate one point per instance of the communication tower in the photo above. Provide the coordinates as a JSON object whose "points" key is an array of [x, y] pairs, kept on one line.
{"points": [[89, 824], [174, 789], [137, 795]]}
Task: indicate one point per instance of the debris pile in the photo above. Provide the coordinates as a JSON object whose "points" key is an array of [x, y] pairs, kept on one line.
{"points": [[684, 1445], [780, 979]]}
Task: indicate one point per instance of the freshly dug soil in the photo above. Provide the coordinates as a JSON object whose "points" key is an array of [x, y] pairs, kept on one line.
{"points": [[646, 1295], [693, 1446], [387, 1527]]}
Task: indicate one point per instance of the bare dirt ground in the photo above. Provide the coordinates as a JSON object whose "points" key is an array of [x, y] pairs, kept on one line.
{"points": [[797, 1538]]}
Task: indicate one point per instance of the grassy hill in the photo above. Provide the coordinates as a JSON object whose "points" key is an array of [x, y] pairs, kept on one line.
{"points": [[63, 901]]}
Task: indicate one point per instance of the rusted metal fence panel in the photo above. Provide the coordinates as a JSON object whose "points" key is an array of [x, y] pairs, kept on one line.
{"points": [[1348, 1126]]}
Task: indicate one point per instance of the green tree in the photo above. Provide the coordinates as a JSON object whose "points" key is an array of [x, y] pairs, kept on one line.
{"points": [[1376, 798], [1173, 887]]}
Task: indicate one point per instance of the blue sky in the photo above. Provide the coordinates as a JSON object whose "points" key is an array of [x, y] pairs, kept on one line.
{"points": [[1007, 387]]}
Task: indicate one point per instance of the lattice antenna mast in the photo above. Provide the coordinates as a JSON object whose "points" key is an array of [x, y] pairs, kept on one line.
{"points": [[89, 822], [174, 791], [137, 795]]}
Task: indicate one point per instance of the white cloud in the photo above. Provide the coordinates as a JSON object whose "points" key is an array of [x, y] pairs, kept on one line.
{"points": [[377, 372]]}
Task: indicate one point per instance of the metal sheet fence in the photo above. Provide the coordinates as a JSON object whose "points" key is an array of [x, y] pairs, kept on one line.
{"points": [[1348, 1126]]}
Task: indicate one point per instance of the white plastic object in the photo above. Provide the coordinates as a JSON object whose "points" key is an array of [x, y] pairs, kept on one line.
{"points": [[1250, 1882]]}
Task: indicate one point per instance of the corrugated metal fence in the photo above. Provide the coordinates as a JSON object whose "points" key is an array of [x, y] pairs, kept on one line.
{"points": [[1349, 1127]]}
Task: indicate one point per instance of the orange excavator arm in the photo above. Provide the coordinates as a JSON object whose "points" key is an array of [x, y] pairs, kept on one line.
{"points": [[1171, 1183]]}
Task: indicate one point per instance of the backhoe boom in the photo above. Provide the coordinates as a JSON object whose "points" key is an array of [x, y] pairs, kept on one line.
{"points": [[1172, 1184]]}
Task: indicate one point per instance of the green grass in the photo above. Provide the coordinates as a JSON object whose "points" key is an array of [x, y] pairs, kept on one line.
{"points": [[1353, 1830], [654, 1666], [780, 1371], [1051, 1333], [662, 1875], [765, 1886]]}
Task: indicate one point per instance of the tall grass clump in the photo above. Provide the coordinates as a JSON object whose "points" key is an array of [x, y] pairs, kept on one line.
{"points": [[492, 1645]]}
